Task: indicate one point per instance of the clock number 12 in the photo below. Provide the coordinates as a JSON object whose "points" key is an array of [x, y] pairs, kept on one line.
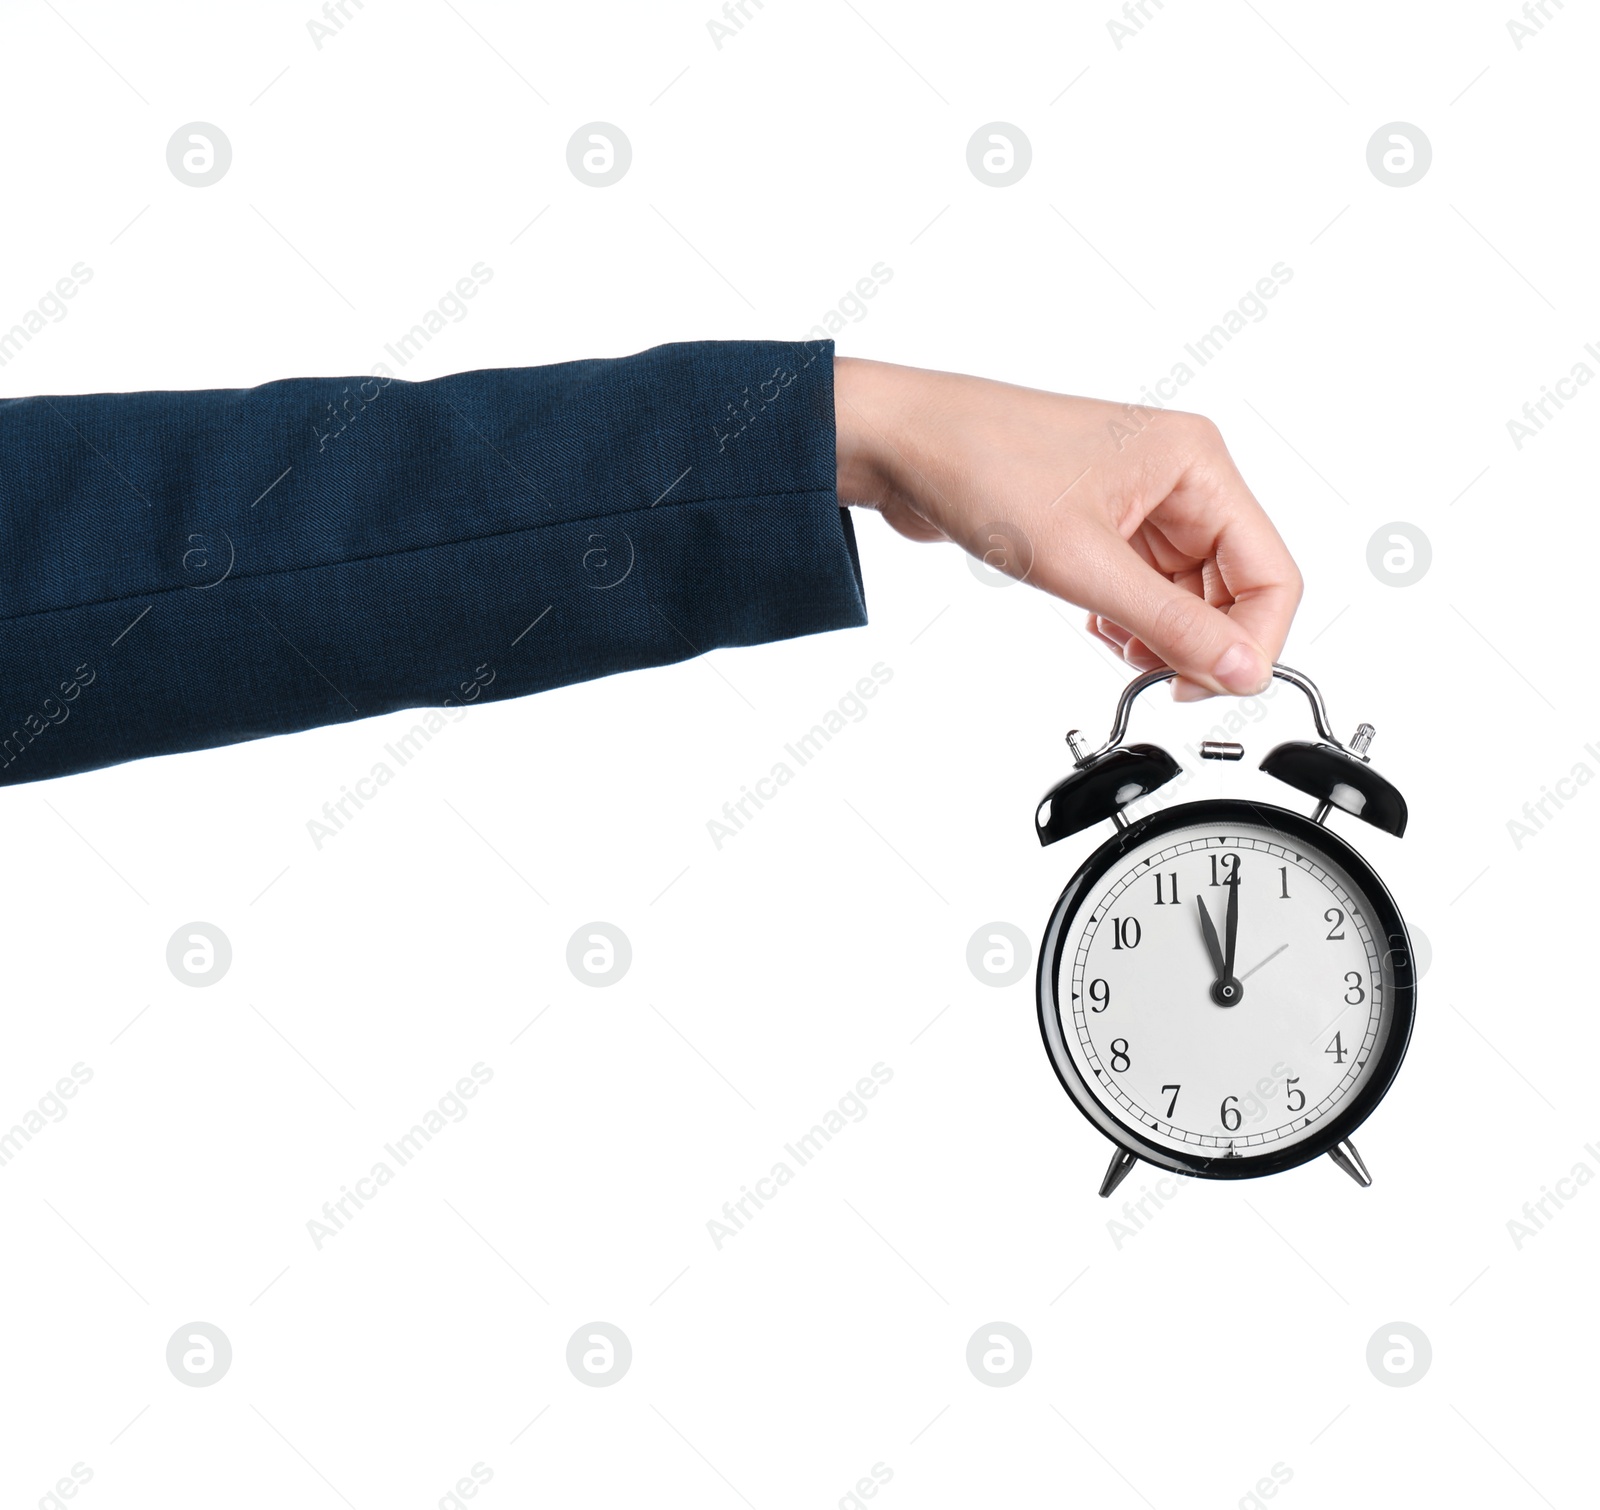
{"points": [[1229, 875]]}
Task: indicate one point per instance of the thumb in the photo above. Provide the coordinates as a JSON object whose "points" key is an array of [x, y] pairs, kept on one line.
{"points": [[1201, 643]]}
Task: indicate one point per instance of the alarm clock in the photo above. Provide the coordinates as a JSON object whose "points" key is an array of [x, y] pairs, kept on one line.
{"points": [[1226, 989]]}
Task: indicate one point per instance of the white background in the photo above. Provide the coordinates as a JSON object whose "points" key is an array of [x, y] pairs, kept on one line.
{"points": [[1174, 1370]]}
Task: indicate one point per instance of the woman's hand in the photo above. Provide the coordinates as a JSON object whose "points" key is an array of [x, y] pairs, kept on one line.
{"points": [[1138, 515]]}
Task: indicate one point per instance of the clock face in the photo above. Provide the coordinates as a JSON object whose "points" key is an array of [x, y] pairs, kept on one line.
{"points": [[1226, 982]]}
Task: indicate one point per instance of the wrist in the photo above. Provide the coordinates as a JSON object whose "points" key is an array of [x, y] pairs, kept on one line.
{"points": [[865, 429]]}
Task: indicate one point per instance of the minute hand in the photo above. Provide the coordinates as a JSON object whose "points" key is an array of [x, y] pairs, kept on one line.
{"points": [[1231, 925]]}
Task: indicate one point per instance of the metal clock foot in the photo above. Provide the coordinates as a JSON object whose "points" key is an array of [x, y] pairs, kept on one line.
{"points": [[1345, 1156], [1117, 1171]]}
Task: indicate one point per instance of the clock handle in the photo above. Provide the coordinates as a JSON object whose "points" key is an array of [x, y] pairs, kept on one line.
{"points": [[1150, 679]]}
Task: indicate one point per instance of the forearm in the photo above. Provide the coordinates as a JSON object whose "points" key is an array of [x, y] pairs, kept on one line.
{"points": [[229, 564]]}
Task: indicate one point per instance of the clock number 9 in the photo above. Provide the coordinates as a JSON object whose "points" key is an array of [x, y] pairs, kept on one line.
{"points": [[1099, 995], [1119, 1050]]}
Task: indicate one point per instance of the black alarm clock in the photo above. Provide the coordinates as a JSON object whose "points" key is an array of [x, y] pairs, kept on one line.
{"points": [[1226, 988]]}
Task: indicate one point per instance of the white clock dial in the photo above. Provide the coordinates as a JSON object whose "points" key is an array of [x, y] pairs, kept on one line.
{"points": [[1205, 1055]]}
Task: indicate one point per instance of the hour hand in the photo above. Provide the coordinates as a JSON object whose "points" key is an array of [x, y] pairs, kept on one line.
{"points": [[1213, 944], [1225, 990]]}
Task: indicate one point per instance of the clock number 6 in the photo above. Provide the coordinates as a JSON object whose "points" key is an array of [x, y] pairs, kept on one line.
{"points": [[1231, 1115]]}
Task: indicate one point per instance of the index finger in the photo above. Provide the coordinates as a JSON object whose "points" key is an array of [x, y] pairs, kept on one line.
{"points": [[1211, 514]]}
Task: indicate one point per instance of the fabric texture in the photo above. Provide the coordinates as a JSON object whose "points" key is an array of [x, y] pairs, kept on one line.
{"points": [[187, 569]]}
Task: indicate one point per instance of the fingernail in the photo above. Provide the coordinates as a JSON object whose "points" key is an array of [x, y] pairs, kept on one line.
{"points": [[1241, 669]]}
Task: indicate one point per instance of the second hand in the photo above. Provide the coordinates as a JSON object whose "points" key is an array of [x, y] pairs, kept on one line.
{"points": [[1267, 961]]}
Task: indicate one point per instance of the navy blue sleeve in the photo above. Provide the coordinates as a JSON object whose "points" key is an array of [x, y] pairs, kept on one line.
{"points": [[182, 570]]}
